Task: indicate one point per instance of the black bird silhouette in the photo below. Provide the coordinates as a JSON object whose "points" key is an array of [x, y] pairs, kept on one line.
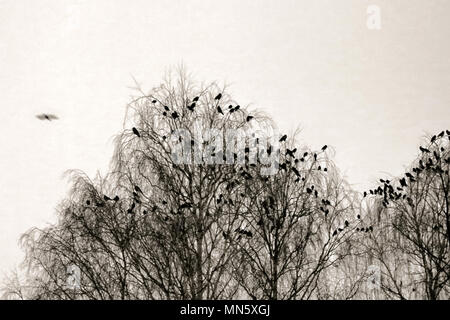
{"points": [[166, 108], [448, 132], [174, 115], [365, 194], [88, 202], [116, 198], [291, 152], [218, 97], [358, 216], [296, 172], [403, 182], [433, 138], [425, 150], [106, 198], [191, 107], [249, 118], [154, 101], [131, 208], [346, 223], [136, 132], [324, 147], [440, 135], [45, 116], [283, 138], [335, 232], [195, 99], [409, 175], [219, 110]]}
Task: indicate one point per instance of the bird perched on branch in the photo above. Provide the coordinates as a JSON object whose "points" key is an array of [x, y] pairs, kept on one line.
{"points": [[48, 117], [136, 132], [218, 97]]}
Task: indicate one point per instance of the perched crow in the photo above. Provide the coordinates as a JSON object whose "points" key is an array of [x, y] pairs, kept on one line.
{"points": [[106, 198], [48, 117], [433, 138], [166, 108], [218, 97], [440, 135], [425, 150], [174, 115], [403, 182], [283, 138], [249, 118], [219, 110], [195, 99], [191, 107], [116, 198], [324, 147], [136, 132]]}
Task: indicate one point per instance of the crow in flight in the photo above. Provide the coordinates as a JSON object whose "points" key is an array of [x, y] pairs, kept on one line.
{"points": [[48, 117]]}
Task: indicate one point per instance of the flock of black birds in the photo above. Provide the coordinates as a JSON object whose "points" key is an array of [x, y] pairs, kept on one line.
{"points": [[431, 161], [386, 190], [289, 164]]}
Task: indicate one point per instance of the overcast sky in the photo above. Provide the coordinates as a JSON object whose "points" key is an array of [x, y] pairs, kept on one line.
{"points": [[370, 94]]}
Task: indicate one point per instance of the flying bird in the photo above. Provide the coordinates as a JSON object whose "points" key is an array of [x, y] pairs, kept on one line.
{"points": [[48, 117]]}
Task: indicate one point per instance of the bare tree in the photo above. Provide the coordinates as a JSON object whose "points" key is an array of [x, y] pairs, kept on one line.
{"points": [[413, 242]]}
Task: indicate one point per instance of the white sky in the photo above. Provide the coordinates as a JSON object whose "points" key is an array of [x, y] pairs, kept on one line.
{"points": [[372, 95]]}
